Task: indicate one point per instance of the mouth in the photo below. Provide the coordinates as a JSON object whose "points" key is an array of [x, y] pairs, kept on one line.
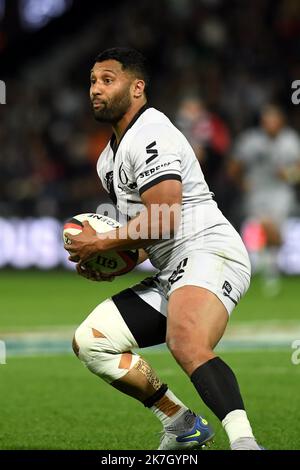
{"points": [[98, 104]]}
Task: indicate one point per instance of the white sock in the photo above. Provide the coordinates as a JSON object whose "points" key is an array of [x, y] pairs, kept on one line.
{"points": [[168, 408], [270, 266], [236, 425]]}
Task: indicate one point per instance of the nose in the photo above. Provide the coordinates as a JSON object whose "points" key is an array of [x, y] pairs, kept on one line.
{"points": [[96, 89]]}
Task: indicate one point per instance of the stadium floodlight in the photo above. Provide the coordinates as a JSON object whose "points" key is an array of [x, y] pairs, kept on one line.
{"points": [[35, 14]]}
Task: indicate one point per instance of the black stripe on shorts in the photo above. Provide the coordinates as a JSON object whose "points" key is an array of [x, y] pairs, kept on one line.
{"points": [[147, 325]]}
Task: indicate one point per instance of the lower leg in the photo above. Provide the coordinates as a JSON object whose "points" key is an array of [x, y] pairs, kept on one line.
{"points": [[133, 376], [103, 343], [125, 371], [269, 258], [143, 384], [192, 335], [218, 387], [270, 270]]}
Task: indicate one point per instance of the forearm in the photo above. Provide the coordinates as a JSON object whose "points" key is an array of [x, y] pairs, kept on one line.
{"points": [[290, 173], [158, 221], [144, 230]]}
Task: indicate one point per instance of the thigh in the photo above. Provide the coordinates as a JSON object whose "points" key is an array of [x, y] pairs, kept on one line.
{"points": [[196, 322], [197, 317], [143, 307], [227, 279]]}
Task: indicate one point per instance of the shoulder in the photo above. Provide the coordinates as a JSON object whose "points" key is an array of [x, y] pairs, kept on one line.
{"points": [[289, 135], [248, 143], [103, 160], [153, 128], [288, 145], [251, 136]]}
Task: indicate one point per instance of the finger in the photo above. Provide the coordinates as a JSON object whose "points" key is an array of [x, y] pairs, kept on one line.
{"points": [[74, 258], [69, 248], [84, 272], [80, 270], [88, 228], [68, 238], [86, 224], [85, 258], [96, 275], [107, 277], [82, 264]]}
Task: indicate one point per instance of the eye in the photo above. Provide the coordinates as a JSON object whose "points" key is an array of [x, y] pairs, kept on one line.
{"points": [[93, 80], [108, 80]]}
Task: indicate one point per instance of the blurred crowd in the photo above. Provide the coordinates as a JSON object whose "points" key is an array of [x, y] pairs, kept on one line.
{"points": [[215, 66]]}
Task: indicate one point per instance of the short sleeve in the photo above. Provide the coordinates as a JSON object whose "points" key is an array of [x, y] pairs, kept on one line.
{"points": [[289, 148], [105, 167], [155, 155]]}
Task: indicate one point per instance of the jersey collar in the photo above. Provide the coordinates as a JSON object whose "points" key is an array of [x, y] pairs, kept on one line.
{"points": [[113, 143]]}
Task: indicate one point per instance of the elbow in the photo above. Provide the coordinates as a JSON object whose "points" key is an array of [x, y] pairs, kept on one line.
{"points": [[167, 234], [171, 232], [169, 224]]}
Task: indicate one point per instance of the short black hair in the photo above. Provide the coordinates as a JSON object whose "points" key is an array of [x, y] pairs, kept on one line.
{"points": [[131, 60]]}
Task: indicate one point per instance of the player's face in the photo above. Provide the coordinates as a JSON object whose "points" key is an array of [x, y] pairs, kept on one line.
{"points": [[272, 121], [110, 91]]}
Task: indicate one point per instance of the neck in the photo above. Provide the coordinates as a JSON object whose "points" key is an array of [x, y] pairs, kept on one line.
{"points": [[120, 127]]}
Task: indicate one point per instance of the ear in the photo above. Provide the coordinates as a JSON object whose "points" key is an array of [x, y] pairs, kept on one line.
{"points": [[138, 87]]}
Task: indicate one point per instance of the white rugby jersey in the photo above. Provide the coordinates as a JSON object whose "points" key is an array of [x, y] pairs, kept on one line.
{"points": [[153, 150], [263, 157]]}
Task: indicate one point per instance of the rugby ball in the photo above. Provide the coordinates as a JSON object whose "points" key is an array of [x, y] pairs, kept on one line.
{"points": [[110, 262]]}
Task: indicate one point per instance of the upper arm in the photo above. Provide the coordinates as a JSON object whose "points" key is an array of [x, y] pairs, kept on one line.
{"points": [[163, 203], [291, 149], [245, 148], [243, 152], [165, 192], [156, 158]]}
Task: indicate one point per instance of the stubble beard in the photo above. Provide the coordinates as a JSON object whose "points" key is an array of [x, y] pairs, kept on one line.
{"points": [[113, 111]]}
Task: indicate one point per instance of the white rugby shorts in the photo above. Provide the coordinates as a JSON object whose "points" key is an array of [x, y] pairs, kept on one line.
{"points": [[228, 279]]}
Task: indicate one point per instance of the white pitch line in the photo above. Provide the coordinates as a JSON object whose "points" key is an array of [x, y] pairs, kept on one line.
{"points": [[242, 337]]}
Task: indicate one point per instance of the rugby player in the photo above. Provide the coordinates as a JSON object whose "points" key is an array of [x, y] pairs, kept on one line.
{"points": [[266, 165], [203, 266]]}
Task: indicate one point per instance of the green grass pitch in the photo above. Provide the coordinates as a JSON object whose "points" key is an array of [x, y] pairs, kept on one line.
{"points": [[33, 299], [53, 402]]}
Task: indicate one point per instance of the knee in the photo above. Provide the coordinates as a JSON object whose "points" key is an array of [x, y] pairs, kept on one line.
{"points": [[75, 346], [101, 356], [82, 343], [188, 350], [179, 340], [103, 343]]}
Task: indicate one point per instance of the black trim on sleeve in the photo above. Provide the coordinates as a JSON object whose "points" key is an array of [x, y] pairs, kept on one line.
{"points": [[151, 183]]}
